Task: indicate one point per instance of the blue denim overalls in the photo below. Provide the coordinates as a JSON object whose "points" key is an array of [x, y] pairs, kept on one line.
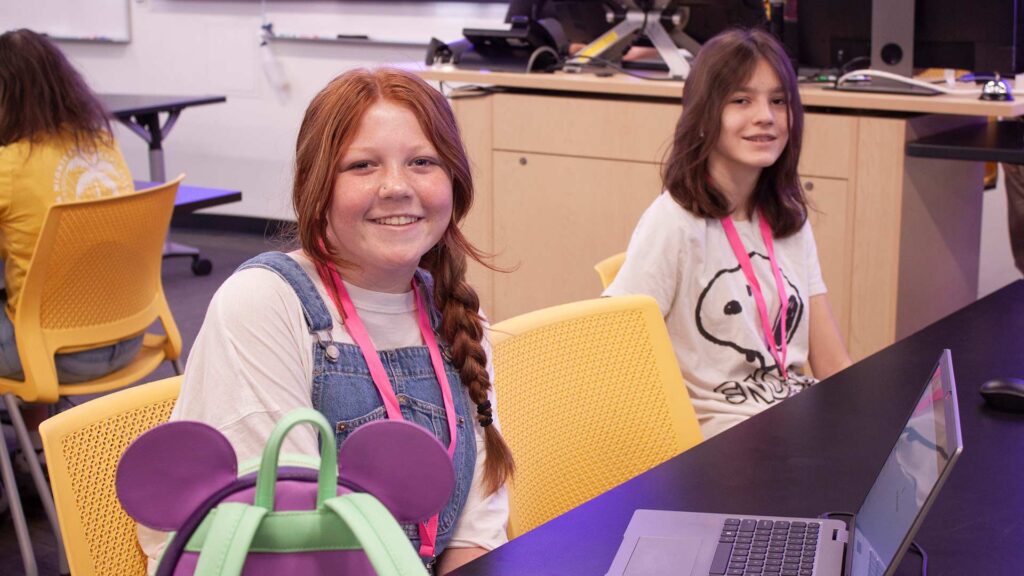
{"points": [[344, 391]]}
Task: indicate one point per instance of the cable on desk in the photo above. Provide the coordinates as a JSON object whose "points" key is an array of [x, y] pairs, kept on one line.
{"points": [[914, 546], [559, 61], [846, 66], [848, 77]]}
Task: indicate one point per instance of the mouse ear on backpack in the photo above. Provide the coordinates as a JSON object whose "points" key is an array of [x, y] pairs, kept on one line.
{"points": [[401, 464], [169, 471]]}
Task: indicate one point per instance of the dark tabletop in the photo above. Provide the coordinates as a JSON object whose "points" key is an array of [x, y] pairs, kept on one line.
{"points": [[988, 142], [124, 105], [820, 451]]}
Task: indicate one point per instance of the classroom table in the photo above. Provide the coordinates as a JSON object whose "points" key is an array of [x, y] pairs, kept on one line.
{"points": [[1001, 141], [820, 450], [141, 114], [188, 200]]}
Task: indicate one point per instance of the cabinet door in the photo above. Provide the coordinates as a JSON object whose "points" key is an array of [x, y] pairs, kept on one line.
{"points": [[830, 216], [557, 216]]}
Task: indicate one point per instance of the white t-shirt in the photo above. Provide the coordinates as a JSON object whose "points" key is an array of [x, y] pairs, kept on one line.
{"points": [[686, 263], [235, 368]]}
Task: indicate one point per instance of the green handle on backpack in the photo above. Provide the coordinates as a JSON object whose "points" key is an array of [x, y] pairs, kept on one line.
{"points": [[327, 482], [376, 530]]}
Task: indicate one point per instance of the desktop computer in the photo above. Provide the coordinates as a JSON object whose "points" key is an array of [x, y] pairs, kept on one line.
{"points": [[605, 28], [983, 36]]}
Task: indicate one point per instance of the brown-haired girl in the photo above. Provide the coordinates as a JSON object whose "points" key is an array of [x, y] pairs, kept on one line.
{"points": [[372, 318], [55, 146], [727, 250]]}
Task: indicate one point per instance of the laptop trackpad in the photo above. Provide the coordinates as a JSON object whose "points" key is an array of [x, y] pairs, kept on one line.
{"points": [[654, 556]]}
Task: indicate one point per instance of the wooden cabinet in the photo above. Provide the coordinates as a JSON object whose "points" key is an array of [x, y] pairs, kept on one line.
{"points": [[557, 216], [831, 211], [562, 177]]}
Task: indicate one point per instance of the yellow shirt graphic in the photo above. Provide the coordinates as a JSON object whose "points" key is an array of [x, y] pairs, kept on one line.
{"points": [[35, 176]]}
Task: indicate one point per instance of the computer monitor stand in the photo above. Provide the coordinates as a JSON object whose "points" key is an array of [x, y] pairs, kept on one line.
{"points": [[641, 18], [892, 49]]}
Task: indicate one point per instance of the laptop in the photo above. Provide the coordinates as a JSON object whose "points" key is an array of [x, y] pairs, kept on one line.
{"points": [[662, 543]]}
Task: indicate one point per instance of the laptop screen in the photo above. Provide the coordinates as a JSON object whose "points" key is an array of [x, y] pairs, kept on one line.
{"points": [[925, 448]]}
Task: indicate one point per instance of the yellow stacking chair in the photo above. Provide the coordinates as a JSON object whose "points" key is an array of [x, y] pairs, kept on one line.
{"points": [[83, 446], [609, 267], [94, 279], [589, 395]]}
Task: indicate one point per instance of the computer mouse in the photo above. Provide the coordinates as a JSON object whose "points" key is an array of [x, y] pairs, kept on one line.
{"points": [[1004, 394]]}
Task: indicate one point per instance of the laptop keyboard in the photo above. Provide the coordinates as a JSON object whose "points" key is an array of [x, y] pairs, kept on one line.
{"points": [[766, 548]]}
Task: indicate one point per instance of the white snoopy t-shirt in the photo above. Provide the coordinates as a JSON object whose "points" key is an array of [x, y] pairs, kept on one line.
{"points": [[686, 263]]}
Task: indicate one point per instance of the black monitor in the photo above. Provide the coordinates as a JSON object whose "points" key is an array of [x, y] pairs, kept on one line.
{"points": [[709, 17], [585, 20], [582, 20], [982, 36], [686, 24]]}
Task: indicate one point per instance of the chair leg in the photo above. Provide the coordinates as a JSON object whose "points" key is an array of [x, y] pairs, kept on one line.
{"points": [[177, 366], [28, 557], [42, 486]]}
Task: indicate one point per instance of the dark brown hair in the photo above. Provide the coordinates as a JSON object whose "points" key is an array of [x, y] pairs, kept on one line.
{"points": [[42, 95], [723, 65], [330, 123]]}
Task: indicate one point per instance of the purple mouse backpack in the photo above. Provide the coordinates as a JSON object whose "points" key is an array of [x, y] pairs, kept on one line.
{"points": [[341, 518]]}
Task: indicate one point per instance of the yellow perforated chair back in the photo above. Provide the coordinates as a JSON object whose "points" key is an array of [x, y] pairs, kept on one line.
{"points": [[83, 446], [609, 267], [94, 279], [589, 396]]}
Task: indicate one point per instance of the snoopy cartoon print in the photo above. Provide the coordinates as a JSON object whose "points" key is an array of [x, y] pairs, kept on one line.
{"points": [[727, 301]]}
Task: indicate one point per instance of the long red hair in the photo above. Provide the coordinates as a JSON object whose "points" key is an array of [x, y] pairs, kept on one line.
{"points": [[331, 122]]}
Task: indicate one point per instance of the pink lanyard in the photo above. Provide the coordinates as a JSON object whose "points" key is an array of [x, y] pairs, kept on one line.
{"points": [[755, 286], [350, 318]]}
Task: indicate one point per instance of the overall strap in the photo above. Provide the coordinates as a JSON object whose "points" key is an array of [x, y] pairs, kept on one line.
{"points": [[318, 318], [379, 534], [426, 282], [230, 536]]}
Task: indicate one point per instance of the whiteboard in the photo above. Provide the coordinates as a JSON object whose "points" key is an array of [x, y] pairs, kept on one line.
{"points": [[94, 20]]}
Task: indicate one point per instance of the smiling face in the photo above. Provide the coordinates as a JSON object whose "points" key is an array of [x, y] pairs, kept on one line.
{"points": [[754, 127], [391, 201]]}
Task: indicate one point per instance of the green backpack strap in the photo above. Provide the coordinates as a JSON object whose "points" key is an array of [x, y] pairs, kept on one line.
{"points": [[229, 538], [383, 540]]}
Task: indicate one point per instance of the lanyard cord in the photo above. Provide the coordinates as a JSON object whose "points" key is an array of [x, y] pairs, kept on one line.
{"points": [[336, 288], [748, 271]]}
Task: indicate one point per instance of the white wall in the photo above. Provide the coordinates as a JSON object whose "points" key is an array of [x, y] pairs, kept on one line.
{"points": [[212, 47]]}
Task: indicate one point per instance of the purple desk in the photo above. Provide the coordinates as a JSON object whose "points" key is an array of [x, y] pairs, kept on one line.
{"points": [[189, 199], [820, 451], [192, 198]]}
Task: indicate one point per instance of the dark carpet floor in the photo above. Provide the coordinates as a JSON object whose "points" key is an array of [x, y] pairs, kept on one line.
{"points": [[189, 297]]}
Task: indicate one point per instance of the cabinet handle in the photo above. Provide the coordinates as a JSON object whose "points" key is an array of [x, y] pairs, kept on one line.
{"points": [[809, 185], [522, 161]]}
